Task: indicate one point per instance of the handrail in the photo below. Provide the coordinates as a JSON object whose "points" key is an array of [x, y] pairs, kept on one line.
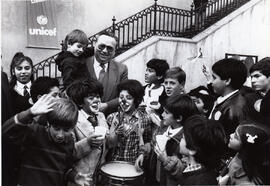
{"points": [[155, 20]]}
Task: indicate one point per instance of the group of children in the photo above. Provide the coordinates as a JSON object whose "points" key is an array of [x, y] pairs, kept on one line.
{"points": [[212, 135]]}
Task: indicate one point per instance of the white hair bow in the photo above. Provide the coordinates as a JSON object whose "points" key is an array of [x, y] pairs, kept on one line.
{"points": [[251, 138]]}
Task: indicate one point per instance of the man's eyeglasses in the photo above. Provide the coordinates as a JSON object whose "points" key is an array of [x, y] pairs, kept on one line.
{"points": [[109, 48]]}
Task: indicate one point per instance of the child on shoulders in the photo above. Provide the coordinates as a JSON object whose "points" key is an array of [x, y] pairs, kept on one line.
{"points": [[71, 61]]}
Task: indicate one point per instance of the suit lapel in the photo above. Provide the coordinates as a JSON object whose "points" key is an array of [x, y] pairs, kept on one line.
{"points": [[83, 125]]}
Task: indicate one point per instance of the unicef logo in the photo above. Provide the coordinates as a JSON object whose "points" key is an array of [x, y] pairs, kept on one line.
{"points": [[42, 20]]}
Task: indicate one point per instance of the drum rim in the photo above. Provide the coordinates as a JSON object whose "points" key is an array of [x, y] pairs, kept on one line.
{"points": [[118, 177]]}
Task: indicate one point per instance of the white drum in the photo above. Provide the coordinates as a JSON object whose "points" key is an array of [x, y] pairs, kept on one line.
{"points": [[120, 173]]}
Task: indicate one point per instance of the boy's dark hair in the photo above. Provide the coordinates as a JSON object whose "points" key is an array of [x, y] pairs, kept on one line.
{"points": [[42, 85], [204, 94], [263, 66], [159, 65], [134, 88], [17, 59], [207, 138], [176, 73], [75, 36], [180, 105], [81, 89], [231, 69], [64, 114]]}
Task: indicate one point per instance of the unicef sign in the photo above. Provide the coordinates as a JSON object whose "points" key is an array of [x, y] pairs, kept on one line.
{"points": [[42, 20], [41, 24]]}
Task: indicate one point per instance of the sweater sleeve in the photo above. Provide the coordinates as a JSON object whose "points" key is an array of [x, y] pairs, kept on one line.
{"points": [[17, 128]]}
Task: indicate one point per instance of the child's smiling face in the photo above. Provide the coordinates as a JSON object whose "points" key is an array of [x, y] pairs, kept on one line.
{"points": [[91, 103], [76, 48], [23, 72]]}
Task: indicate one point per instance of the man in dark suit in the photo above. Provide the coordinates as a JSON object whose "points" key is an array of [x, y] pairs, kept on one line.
{"points": [[108, 72]]}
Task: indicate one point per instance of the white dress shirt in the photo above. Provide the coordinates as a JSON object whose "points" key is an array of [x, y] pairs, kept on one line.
{"points": [[19, 87], [98, 68]]}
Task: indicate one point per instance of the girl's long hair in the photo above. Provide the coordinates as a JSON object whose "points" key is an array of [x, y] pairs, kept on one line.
{"points": [[254, 152], [18, 58]]}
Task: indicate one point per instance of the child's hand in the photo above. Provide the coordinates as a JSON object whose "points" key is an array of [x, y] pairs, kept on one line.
{"points": [[171, 162], [161, 155], [83, 179], [206, 73], [43, 105], [95, 140], [155, 119], [139, 163], [103, 107], [222, 180], [119, 130]]}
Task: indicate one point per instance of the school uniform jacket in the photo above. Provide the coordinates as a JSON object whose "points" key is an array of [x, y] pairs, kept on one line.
{"points": [[83, 129], [231, 112]]}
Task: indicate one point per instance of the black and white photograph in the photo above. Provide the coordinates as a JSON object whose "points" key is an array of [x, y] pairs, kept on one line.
{"points": [[135, 92]]}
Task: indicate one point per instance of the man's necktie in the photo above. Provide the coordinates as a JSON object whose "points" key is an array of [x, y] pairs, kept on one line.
{"points": [[102, 72], [25, 92], [93, 120]]}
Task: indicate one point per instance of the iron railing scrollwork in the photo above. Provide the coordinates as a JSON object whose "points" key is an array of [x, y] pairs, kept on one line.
{"points": [[155, 20]]}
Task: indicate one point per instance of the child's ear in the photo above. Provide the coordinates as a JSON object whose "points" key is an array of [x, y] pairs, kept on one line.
{"points": [[228, 81]]}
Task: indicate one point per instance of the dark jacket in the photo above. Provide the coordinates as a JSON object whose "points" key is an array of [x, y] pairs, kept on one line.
{"points": [[202, 176], [10, 157], [72, 67], [19, 102], [231, 112]]}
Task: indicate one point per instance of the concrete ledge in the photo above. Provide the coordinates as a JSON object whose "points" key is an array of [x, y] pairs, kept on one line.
{"points": [[152, 40]]}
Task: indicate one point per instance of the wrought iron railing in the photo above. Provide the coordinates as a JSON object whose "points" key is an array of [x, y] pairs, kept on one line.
{"points": [[155, 20]]}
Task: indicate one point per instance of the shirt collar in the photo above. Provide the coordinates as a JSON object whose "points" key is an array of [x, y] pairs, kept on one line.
{"points": [[84, 113], [21, 86], [221, 99], [97, 65], [193, 167], [172, 132]]}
